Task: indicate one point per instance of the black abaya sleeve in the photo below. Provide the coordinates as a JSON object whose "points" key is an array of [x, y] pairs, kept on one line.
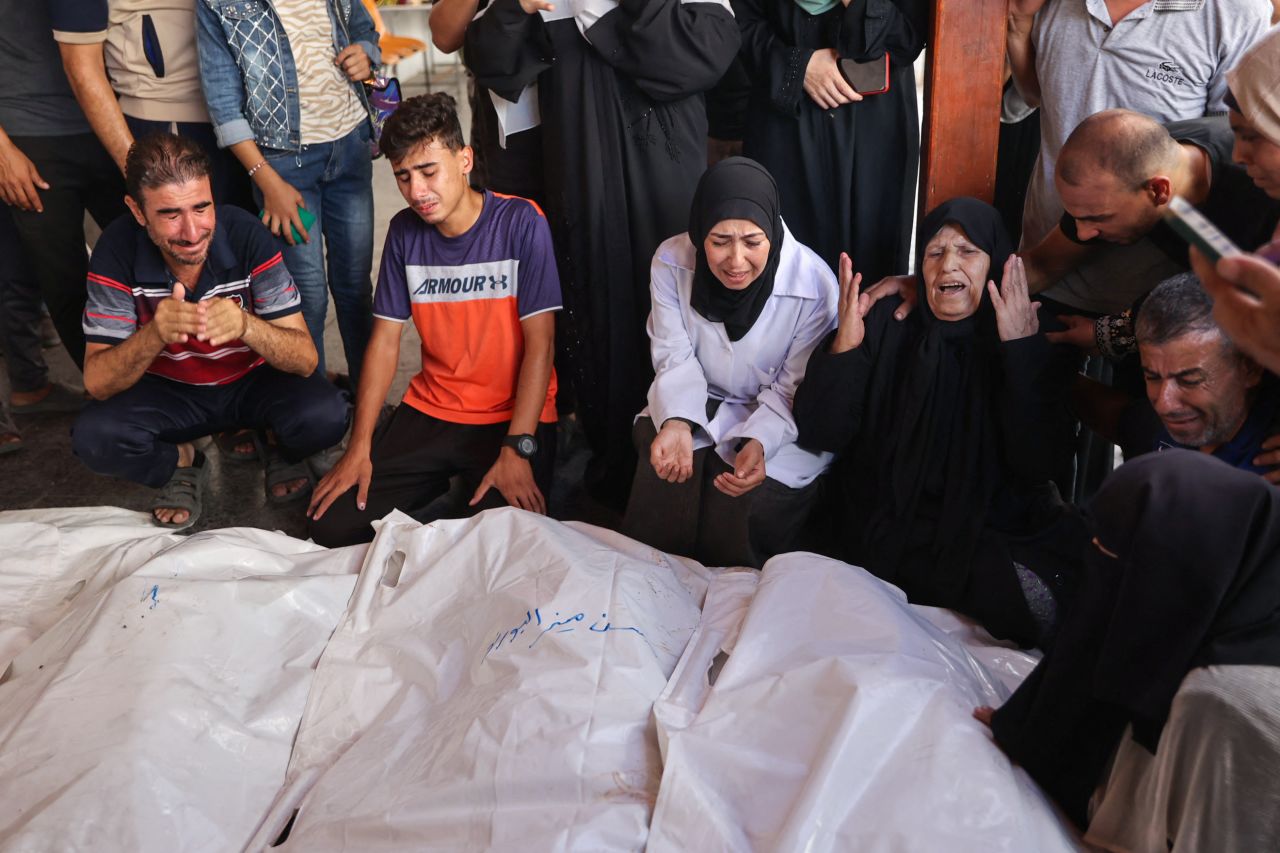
{"points": [[670, 49], [768, 57], [869, 28], [1036, 425], [506, 48], [830, 403]]}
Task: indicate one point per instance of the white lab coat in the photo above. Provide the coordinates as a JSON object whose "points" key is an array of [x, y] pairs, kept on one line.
{"points": [[757, 375]]}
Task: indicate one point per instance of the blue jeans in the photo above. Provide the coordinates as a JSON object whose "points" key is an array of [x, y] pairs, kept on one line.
{"points": [[336, 183]]}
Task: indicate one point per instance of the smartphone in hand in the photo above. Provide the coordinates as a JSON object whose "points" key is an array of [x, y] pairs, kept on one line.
{"points": [[867, 78]]}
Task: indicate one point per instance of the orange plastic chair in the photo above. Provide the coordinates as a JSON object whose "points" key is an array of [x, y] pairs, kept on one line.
{"points": [[394, 48]]}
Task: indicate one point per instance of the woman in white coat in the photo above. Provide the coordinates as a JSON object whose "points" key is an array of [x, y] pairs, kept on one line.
{"points": [[738, 305]]}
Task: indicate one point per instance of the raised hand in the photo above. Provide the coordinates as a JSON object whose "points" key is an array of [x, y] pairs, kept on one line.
{"points": [[852, 309], [1246, 300], [824, 83], [1015, 312], [671, 453]]}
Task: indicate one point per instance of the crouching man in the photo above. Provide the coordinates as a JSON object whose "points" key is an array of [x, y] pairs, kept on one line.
{"points": [[476, 273], [1202, 392], [194, 327]]}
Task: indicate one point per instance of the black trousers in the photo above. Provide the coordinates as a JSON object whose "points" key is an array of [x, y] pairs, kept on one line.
{"points": [[695, 519], [414, 456], [81, 176], [134, 435], [19, 312]]}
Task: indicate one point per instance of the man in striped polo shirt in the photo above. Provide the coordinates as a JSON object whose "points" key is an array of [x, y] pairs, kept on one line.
{"points": [[194, 326]]}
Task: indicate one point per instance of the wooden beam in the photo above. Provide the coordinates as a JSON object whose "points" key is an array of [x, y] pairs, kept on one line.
{"points": [[964, 77]]}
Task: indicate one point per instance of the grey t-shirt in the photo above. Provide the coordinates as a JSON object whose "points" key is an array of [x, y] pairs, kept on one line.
{"points": [[35, 98], [1167, 59]]}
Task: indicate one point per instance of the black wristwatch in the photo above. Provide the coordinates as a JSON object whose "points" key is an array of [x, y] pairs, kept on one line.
{"points": [[525, 445]]}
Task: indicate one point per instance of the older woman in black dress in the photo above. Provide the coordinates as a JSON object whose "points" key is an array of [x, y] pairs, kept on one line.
{"points": [[944, 425]]}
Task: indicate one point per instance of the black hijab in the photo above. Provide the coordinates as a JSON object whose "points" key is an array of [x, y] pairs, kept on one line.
{"points": [[1190, 576], [735, 188], [939, 427]]}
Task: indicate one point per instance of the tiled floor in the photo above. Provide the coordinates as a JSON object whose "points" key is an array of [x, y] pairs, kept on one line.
{"points": [[45, 474]]}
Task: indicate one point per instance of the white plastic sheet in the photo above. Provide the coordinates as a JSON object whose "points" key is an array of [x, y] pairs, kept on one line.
{"points": [[158, 682], [840, 720], [491, 685], [491, 688]]}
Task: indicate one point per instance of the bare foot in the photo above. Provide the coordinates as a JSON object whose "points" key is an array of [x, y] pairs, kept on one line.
{"points": [[984, 715], [288, 487], [186, 458]]}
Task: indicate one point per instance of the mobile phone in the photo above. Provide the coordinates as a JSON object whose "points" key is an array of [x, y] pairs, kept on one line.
{"points": [[867, 78], [1193, 227], [308, 219]]}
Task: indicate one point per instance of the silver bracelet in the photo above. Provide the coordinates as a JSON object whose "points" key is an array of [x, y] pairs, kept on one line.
{"points": [[255, 169]]}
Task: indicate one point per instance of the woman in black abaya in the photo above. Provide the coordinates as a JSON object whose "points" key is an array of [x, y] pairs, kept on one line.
{"points": [[1183, 571], [942, 423]]}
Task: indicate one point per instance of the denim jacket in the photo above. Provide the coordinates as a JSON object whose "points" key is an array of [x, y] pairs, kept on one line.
{"points": [[247, 70]]}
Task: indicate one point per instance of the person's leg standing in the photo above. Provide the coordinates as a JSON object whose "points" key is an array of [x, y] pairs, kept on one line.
{"points": [[19, 313], [347, 186], [79, 172], [303, 171]]}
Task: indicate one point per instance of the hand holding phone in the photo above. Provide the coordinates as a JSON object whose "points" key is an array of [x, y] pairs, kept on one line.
{"points": [[867, 78], [1193, 227]]}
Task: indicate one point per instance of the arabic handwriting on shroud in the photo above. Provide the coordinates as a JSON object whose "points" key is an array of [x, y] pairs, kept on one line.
{"points": [[533, 621]]}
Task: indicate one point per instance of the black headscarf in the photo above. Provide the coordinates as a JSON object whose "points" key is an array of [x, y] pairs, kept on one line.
{"points": [[941, 425], [1190, 576], [735, 188]]}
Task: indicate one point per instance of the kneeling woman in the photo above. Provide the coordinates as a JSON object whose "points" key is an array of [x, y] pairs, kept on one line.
{"points": [[944, 424], [738, 306]]}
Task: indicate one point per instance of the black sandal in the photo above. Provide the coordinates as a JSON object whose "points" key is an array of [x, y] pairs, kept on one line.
{"points": [[229, 445], [185, 490], [278, 471]]}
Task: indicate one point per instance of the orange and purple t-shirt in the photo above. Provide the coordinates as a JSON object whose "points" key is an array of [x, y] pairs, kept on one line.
{"points": [[467, 296]]}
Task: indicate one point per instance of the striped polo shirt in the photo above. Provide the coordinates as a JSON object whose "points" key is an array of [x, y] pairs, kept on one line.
{"points": [[128, 279], [467, 296]]}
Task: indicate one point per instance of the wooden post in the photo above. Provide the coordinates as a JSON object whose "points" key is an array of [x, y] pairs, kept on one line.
{"points": [[964, 77]]}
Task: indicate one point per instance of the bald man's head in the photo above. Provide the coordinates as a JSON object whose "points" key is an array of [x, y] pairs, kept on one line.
{"points": [[1130, 146], [1114, 175]]}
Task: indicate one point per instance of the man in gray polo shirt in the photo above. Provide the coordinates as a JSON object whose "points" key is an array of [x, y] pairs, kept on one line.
{"points": [[1164, 58]]}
